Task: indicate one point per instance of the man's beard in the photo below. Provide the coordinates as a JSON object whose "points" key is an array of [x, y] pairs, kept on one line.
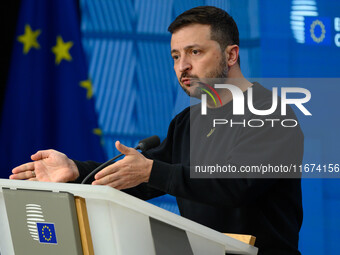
{"points": [[210, 78]]}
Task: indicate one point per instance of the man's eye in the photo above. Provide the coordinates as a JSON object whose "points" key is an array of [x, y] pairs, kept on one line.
{"points": [[195, 52], [175, 57]]}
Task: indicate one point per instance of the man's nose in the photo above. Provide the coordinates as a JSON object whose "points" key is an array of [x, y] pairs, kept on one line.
{"points": [[184, 65]]}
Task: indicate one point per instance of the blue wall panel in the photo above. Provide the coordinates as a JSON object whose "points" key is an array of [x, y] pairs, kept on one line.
{"points": [[284, 53]]}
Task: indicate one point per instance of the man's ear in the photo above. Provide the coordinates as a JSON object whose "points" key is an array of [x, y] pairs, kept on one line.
{"points": [[231, 53]]}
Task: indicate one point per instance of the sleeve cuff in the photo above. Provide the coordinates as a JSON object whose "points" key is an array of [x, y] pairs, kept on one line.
{"points": [[161, 176], [84, 168]]}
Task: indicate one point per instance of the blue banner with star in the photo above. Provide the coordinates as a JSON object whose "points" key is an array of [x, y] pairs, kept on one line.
{"points": [[49, 99], [318, 31], [46, 233]]}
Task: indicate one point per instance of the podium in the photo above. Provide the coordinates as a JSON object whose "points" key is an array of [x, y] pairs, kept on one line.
{"points": [[118, 223]]}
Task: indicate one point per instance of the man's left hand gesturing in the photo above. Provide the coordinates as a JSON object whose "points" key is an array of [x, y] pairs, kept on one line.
{"points": [[129, 172]]}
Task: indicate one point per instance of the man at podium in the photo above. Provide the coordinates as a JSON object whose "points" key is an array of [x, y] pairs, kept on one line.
{"points": [[205, 51]]}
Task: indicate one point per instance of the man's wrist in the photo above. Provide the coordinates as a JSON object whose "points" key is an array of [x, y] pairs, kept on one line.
{"points": [[148, 169], [75, 171]]}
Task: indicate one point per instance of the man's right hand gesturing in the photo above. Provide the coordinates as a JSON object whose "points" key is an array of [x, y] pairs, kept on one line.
{"points": [[47, 166]]}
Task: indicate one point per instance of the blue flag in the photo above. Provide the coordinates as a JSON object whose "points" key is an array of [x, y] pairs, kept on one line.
{"points": [[46, 233], [49, 99], [318, 31]]}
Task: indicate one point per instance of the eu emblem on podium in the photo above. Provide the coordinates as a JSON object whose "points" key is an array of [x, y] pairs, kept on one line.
{"points": [[46, 233]]}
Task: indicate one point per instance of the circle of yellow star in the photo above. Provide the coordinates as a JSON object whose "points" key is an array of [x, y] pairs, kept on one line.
{"points": [[29, 39], [312, 31], [61, 50], [49, 233]]}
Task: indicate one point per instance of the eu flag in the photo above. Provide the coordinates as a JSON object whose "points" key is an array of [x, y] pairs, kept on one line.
{"points": [[46, 233], [49, 98], [318, 31]]}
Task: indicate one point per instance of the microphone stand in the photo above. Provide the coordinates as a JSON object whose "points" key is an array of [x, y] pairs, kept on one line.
{"points": [[143, 145], [102, 166]]}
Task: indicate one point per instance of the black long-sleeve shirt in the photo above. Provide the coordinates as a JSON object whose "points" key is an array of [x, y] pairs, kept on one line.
{"points": [[268, 208]]}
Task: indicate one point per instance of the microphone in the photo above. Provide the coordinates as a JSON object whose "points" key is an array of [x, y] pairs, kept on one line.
{"points": [[143, 145], [148, 143]]}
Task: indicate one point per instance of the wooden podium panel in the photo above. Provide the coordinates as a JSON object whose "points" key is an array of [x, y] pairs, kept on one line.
{"points": [[248, 239], [84, 226]]}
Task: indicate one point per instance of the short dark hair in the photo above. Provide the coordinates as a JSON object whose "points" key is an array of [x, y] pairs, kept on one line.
{"points": [[223, 27]]}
